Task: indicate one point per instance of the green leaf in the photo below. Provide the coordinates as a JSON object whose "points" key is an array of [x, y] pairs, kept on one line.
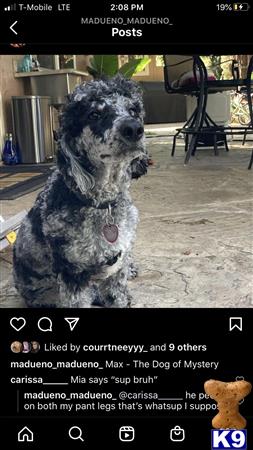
{"points": [[104, 65], [134, 66], [92, 71]]}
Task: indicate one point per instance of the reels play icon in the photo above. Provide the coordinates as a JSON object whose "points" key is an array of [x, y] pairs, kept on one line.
{"points": [[126, 434]]}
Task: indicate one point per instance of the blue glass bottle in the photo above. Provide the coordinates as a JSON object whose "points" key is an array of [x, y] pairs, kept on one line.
{"points": [[9, 155], [5, 149]]}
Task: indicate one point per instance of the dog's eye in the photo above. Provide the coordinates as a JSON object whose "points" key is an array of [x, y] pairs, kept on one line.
{"points": [[133, 112], [94, 115]]}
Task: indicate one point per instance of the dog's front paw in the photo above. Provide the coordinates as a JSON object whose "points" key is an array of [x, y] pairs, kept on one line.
{"points": [[133, 271], [112, 301], [108, 270], [122, 301]]}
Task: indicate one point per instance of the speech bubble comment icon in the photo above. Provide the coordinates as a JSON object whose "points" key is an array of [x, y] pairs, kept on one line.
{"points": [[45, 324]]}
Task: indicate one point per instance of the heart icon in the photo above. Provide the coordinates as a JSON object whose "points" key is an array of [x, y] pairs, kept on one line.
{"points": [[239, 378], [17, 323]]}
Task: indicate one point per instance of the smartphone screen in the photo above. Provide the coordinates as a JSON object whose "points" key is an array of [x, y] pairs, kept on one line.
{"points": [[126, 225]]}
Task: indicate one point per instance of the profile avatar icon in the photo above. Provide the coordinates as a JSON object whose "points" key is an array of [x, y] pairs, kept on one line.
{"points": [[26, 347], [16, 347], [35, 347]]}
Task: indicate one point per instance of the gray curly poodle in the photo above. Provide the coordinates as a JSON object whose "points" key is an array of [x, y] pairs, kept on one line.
{"points": [[74, 247]]}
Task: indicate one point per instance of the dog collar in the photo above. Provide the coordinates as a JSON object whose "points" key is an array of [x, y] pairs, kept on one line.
{"points": [[110, 230], [89, 203]]}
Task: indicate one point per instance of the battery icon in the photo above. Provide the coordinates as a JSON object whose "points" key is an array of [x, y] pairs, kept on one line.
{"points": [[241, 7]]}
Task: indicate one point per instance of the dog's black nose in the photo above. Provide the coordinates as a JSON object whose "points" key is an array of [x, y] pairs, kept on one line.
{"points": [[131, 130]]}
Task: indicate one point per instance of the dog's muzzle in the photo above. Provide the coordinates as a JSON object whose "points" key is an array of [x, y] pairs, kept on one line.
{"points": [[131, 130]]}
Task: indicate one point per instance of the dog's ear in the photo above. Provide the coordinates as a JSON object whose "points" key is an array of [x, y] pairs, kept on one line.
{"points": [[139, 166], [71, 167], [73, 117]]}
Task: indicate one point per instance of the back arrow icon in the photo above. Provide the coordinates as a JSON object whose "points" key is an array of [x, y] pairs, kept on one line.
{"points": [[13, 25]]}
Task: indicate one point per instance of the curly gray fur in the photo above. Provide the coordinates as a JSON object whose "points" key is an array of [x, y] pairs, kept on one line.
{"points": [[62, 257]]}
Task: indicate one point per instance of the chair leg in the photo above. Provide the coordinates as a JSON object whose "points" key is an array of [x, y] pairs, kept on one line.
{"points": [[216, 151], [244, 137], [251, 161], [186, 142], [174, 144], [194, 148], [190, 122], [191, 148], [248, 86], [226, 143]]}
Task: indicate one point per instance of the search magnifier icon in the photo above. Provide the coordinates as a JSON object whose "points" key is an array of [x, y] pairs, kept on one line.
{"points": [[76, 433]]}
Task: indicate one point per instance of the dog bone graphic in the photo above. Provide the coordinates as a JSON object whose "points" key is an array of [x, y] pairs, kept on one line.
{"points": [[17, 323]]}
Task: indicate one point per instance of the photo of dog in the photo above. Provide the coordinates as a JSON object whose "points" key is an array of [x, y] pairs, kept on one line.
{"points": [[71, 197], [74, 247]]}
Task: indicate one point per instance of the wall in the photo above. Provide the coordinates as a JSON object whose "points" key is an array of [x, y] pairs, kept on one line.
{"points": [[244, 61], [154, 72], [82, 62], [9, 86], [160, 107]]}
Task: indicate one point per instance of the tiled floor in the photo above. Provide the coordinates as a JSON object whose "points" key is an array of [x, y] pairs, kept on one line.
{"points": [[194, 242]]}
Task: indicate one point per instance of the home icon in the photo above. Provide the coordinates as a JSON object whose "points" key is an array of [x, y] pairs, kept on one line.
{"points": [[25, 435]]}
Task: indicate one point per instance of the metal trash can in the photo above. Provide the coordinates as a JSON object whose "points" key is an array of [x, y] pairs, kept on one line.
{"points": [[32, 128]]}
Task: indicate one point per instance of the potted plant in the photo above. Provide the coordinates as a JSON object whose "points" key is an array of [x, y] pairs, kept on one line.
{"points": [[108, 65]]}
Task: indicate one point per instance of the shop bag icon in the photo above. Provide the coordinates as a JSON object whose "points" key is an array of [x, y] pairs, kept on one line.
{"points": [[177, 434]]}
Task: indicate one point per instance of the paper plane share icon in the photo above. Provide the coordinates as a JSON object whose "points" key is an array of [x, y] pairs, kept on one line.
{"points": [[72, 321]]}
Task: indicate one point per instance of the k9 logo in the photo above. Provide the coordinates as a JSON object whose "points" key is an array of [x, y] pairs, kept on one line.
{"points": [[229, 439]]}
